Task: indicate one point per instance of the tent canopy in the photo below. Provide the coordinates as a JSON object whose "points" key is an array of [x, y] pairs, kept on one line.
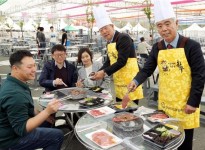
{"points": [[70, 28], [128, 27], [139, 28], [193, 27], [194, 31]]}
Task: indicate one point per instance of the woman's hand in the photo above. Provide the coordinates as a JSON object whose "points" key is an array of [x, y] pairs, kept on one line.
{"points": [[79, 83]]}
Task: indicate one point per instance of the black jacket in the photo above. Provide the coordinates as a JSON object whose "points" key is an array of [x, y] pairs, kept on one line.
{"points": [[125, 48], [48, 72], [195, 59]]}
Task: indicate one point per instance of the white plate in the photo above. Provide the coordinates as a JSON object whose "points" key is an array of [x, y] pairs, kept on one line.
{"points": [[48, 96], [103, 110], [115, 139]]}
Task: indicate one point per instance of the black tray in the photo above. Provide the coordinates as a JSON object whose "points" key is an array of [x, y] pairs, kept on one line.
{"points": [[96, 89], [91, 102], [157, 136]]}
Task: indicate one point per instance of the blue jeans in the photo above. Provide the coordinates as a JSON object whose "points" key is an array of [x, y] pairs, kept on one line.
{"points": [[52, 44], [41, 137]]}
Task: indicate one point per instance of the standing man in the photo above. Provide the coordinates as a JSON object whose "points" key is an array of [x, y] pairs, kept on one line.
{"points": [[58, 73], [42, 41], [20, 123], [53, 37], [64, 37], [121, 59], [142, 48], [181, 72], [37, 40]]}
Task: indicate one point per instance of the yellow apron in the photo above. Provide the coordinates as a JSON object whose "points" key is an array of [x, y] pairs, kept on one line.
{"points": [[174, 86], [125, 75]]}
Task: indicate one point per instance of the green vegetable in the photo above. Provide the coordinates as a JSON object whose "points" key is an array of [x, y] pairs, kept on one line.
{"points": [[161, 129]]}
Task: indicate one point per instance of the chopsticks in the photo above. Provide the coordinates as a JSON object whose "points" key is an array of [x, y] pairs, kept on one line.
{"points": [[64, 84]]}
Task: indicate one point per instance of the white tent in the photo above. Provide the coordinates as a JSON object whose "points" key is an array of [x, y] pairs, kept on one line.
{"points": [[44, 23], [62, 24], [194, 31], [95, 29], [128, 27], [9, 24], [139, 28], [30, 25], [116, 28]]}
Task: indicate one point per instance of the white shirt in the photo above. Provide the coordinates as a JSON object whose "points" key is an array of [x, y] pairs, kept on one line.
{"points": [[53, 37], [143, 48], [88, 70]]}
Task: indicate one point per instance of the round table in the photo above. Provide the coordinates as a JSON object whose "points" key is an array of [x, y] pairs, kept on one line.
{"points": [[131, 140], [73, 106]]}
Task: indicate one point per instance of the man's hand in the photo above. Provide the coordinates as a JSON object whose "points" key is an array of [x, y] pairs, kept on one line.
{"points": [[132, 86], [189, 109], [98, 75], [53, 106], [58, 81], [51, 119]]}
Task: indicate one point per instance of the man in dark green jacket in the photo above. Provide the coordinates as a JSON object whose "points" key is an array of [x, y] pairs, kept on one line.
{"points": [[19, 121]]}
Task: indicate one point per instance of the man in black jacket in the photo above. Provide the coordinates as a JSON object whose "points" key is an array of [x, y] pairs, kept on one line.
{"points": [[58, 73]]}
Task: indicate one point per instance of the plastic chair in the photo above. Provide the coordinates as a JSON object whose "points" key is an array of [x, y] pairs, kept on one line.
{"points": [[153, 91]]}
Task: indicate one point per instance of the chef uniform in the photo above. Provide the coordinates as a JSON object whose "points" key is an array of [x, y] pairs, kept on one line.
{"points": [[125, 74], [181, 74]]}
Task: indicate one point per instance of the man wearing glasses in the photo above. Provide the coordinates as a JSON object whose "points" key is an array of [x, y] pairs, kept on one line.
{"points": [[58, 73]]}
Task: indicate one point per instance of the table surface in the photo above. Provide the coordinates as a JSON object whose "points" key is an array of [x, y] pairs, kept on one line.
{"points": [[131, 140], [71, 105], [36, 49]]}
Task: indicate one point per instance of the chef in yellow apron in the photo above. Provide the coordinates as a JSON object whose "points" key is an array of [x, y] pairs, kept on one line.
{"points": [[181, 72], [121, 61]]}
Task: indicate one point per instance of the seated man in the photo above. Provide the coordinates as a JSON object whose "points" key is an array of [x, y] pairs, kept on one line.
{"points": [[20, 125], [58, 73]]}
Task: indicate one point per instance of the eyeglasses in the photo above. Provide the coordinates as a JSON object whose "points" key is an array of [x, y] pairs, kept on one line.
{"points": [[60, 55]]}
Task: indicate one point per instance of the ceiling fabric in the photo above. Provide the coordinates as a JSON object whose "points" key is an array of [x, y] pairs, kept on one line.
{"points": [[119, 10]]}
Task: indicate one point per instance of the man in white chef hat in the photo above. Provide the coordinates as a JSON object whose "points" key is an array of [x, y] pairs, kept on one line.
{"points": [[121, 60], [181, 72]]}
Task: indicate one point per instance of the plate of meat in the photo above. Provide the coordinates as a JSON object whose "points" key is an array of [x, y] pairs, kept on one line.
{"points": [[104, 138], [157, 116], [100, 112], [77, 93], [127, 121]]}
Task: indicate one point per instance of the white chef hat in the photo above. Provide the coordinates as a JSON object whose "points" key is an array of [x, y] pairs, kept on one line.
{"points": [[101, 17], [163, 10]]}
